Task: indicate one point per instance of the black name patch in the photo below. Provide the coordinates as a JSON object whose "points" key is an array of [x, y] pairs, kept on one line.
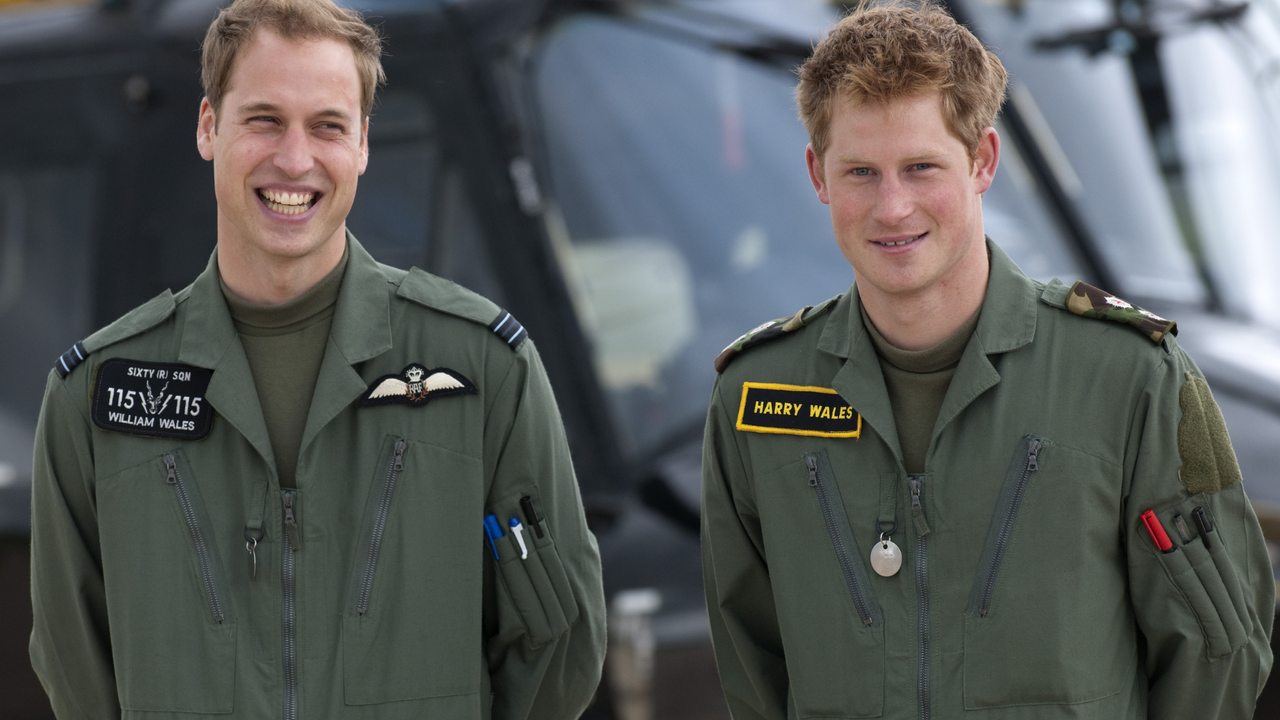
{"points": [[796, 410], [164, 400]]}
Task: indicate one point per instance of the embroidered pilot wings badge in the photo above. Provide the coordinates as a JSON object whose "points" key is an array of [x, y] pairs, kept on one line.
{"points": [[415, 386]]}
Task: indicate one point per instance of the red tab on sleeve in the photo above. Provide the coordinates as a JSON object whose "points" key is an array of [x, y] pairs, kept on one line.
{"points": [[1156, 530]]}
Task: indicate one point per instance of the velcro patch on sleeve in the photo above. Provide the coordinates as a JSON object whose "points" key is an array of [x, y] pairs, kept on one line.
{"points": [[1208, 460], [152, 399], [796, 410]]}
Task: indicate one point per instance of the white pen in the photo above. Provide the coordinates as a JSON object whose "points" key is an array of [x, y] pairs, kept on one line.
{"points": [[518, 529]]}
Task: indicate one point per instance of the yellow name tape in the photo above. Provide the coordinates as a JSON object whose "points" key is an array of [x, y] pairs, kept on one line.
{"points": [[796, 410]]}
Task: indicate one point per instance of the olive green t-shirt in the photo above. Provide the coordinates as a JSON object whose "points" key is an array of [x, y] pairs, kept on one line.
{"points": [[917, 382], [285, 345]]}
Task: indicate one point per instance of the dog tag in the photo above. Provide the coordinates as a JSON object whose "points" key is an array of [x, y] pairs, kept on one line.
{"points": [[886, 558]]}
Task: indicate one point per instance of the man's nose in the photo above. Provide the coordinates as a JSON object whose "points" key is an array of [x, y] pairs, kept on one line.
{"points": [[293, 156], [893, 201]]}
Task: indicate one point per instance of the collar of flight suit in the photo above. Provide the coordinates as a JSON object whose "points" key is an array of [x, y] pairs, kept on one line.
{"points": [[361, 330], [1007, 322]]}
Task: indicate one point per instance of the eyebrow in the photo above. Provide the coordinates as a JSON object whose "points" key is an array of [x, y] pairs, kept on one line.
{"points": [[920, 157], [272, 107]]}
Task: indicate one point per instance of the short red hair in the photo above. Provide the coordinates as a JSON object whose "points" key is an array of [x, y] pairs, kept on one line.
{"points": [[880, 53]]}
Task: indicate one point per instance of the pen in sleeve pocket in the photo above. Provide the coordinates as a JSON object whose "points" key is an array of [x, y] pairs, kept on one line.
{"points": [[492, 530], [1202, 522], [1156, 531]]}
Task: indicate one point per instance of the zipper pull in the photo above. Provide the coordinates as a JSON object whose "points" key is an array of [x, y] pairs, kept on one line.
{"points": [[173, 469], [917, 510], [290, 523], [813, 471], [399, 457], [1032, 461], [252, 546]]}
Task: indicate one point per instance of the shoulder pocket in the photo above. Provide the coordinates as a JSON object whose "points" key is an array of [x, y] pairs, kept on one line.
{"points": [[1205, 576], [530, 569]]}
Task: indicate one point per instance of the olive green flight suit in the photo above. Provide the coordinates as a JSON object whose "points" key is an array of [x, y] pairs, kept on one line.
{"points": [[1030, 587], [372, 591]]}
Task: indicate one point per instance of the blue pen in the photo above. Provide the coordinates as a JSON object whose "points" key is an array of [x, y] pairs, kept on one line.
{"points": [[493, 529]]}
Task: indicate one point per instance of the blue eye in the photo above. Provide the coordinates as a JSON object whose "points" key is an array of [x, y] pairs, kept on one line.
{"points": [[862, 172], [923, 166]]}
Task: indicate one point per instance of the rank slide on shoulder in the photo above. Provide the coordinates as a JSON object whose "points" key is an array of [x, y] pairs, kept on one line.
{"points": [[796, 410], [152, 399]]}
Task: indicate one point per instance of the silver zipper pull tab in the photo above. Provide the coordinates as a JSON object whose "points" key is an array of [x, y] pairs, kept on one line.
{"points": [[813, 471], [173, 469], [252, 547], [1033, 462]]}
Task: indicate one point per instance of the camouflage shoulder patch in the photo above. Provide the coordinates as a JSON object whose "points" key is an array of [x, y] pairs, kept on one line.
{"points": [[769, 331], [1208, 460], [1088, 301]]}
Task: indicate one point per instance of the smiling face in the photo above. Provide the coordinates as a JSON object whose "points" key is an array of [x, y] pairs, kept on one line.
{"points": [[905, 204], [287, 147]]}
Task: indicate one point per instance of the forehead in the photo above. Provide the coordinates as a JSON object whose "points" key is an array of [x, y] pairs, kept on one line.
{"points": [[908, 124], [276, 70]]}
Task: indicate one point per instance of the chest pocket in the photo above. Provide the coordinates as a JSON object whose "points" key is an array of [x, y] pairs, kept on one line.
{"points": [[411, 624], [1048, 619], [173, 624], [825, 603]]}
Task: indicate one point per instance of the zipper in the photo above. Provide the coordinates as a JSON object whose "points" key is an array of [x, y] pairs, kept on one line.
{"points": [[837, 538], [202, 549], [1030, 464], [287, 571], [922, 588], [379, 525]]}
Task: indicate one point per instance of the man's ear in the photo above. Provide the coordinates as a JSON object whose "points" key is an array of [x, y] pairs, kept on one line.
{"points": [[364, 146], [816, 175], [206, 129], [984, 165]]}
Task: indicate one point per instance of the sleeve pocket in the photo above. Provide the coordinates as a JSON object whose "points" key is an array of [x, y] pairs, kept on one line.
{"points": [[1208, 581], [537, 585]]}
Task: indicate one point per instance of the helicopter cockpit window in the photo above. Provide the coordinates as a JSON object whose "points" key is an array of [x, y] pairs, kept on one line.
{"points": [[413, 208], [1224, 93], [392, 212], [1089, 122], [44, 273], [684, 215]]}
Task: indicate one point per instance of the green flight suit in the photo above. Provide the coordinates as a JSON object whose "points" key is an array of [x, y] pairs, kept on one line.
{"points": [[372, 591], [1030, 587]]}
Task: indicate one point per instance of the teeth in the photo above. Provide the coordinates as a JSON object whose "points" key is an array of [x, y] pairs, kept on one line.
{"points": [[287, 203], [903, 242]]}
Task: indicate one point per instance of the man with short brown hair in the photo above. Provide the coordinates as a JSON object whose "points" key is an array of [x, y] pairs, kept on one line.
{"points": [[954, 491], [308, 485]]}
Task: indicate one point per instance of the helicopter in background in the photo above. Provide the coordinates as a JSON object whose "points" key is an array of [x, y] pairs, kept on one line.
{"points": [[627, 177]]}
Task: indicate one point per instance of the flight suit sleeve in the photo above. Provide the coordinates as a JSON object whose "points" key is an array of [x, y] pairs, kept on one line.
{"points": [[545, 613], [1206, 602], [740, 604], [70, 639]]}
